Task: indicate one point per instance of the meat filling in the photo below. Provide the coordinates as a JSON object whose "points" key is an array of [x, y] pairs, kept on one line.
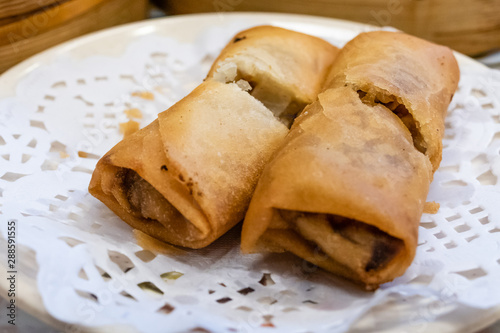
{"points": [[145, 201], [277, 99], [281, 104], [399, 109], [349, 242]]}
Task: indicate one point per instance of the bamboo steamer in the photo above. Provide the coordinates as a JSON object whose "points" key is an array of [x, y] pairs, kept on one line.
{"points": [[29, 33], [10, 8], [468, 26]]}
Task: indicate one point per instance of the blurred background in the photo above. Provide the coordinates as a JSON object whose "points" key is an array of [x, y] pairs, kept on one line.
{"points": [[468, 26]]}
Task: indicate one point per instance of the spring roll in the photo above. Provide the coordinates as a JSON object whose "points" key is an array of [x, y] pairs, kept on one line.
{"points": [[188, 177], [414, 78], [347, 188]]}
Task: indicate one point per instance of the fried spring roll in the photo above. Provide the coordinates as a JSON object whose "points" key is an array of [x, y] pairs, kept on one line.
{"points": [[188, 177], [347, 188], [414, 78]]}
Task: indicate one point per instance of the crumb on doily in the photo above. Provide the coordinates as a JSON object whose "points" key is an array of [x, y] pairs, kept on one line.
{"points": [[133, 113], [82, 154], [144, 95], [129, 127], [431, 207], [63, 154]]}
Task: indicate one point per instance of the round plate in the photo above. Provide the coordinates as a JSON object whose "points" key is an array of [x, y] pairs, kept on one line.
{"points": [[115, 42]]}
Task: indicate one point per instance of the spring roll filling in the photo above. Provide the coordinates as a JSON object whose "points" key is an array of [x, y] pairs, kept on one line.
{"points": [[349, 242], [278, 100], [397, 107], [143, 201]]}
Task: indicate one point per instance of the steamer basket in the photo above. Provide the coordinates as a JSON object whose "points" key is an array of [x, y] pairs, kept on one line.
{"points": [[38, 28], [468, 26]]}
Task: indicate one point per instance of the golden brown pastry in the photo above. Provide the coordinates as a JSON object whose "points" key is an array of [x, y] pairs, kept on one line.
{"points": [[414, 78], [188, 177], [347, 188]]}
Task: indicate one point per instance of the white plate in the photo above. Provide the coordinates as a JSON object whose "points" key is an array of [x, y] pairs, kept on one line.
{"points": [[74, 71]]}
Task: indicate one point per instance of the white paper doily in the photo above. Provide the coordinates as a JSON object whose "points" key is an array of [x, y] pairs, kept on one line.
{"points": [[92, 273]]}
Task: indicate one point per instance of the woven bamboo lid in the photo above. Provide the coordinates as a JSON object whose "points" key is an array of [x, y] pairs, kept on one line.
{"points": [[10, 8], [468, 26], [24, 35]]}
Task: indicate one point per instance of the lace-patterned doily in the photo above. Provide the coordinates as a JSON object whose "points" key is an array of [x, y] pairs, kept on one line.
{"points": [[67, 112]]}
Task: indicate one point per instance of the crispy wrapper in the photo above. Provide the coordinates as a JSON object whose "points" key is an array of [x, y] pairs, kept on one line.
{"points": [[347, 188], [188, 177], [396, 69]]}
